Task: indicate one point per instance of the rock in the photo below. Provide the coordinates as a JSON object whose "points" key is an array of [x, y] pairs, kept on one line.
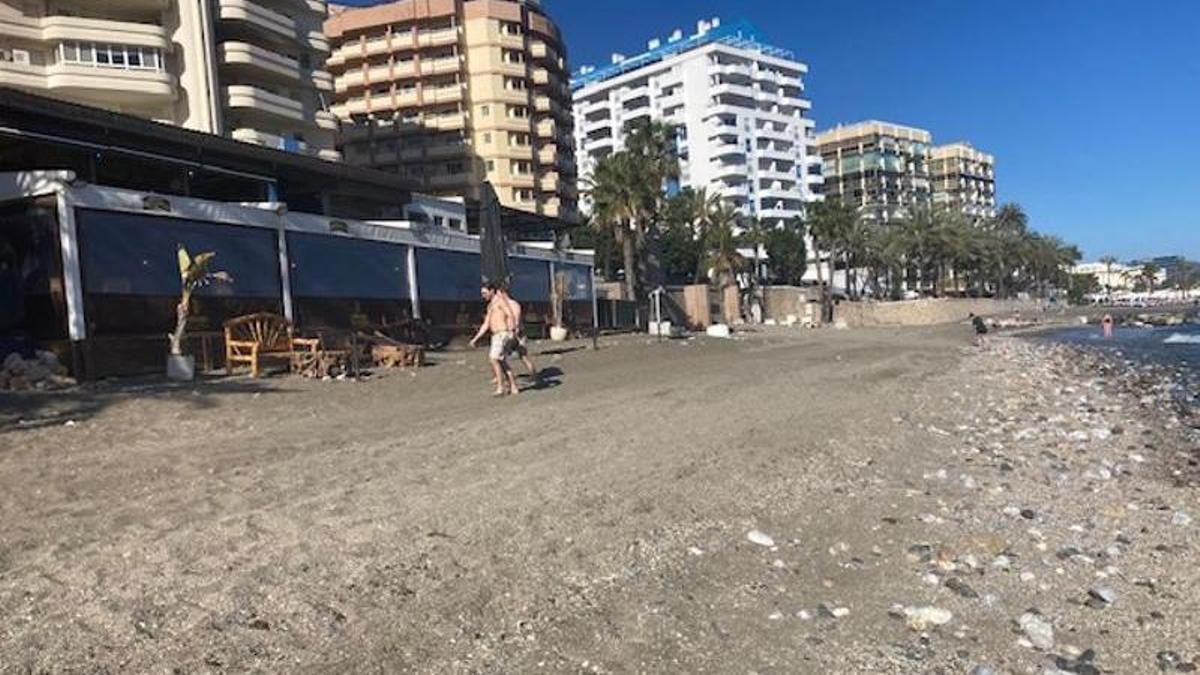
{"points": [[1038, 630], [760, 538], [1181, 519], [1100, 597], [1028, 514], [960, 587], [983, 669], [831, 612], [922, 618]]}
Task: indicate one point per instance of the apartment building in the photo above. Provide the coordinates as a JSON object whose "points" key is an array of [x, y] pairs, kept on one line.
{"points": [[963, 178], [739, 105], [880, 167], [452, 93], [249, 69]]}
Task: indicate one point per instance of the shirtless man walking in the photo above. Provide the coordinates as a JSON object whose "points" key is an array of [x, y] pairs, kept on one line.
{"points": [[518, 344], [499, 322]]}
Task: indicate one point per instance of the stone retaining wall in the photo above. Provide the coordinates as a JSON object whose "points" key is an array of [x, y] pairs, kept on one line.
{"points": [[927, 311]]}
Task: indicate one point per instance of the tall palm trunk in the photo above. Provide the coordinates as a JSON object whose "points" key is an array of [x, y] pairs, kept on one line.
{"points": [[629, 254]]}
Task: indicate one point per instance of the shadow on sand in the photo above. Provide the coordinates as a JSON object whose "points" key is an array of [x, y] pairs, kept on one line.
{"points": [[39, 409], [548, 378]]}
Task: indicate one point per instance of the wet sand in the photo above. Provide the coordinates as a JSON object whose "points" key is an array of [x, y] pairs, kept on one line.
{"points": [[413, 523]]}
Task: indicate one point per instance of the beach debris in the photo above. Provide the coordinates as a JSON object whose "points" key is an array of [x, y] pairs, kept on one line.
{"points": [[1037, 630], [718, 330], [760, 538], [1181, 519], [42, 372], [923, 618]]}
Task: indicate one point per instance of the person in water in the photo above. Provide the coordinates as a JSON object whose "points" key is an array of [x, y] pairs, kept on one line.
{"points": [[1106, 325]]}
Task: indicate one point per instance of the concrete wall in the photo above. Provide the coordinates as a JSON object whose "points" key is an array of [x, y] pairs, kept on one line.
{"points": [[926, 312]]}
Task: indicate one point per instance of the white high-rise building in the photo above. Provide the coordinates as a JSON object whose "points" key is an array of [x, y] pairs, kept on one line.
{"points": [[738, 102]]}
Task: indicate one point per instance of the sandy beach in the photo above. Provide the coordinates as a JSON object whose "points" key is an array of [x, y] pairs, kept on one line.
{"points": [[877, 500]]}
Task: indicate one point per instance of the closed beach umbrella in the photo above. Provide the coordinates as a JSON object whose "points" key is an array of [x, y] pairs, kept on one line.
{"points": [[493, 253]]}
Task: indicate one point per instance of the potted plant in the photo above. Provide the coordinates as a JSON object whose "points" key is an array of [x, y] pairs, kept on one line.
{"points": [[560, 292], [193, 274]]}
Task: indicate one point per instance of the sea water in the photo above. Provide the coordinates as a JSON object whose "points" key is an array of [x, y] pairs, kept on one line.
{"points": [[1175, 346]]}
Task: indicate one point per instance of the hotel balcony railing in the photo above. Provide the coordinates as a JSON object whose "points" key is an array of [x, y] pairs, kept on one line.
{"points": [[251, 98], [258, 16], [237, 53]]}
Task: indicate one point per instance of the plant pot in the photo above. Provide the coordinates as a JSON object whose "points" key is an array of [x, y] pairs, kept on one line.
{"points": [[181, 367], [558, 333]]}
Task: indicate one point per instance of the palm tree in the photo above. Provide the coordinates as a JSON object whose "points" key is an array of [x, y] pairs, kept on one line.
{"points": [[1108, 261], [829, 223], [698, 206], [722, 252], [1149, 276], [617, 204]]}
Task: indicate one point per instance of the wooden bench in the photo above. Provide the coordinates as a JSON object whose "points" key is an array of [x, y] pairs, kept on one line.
{"points": [[254, 338]]}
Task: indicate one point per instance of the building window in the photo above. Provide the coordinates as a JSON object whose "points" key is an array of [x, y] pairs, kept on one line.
{"points": [[518, 111], [510, 28], [522, 194], [484, 110], [454, 168], [513, 56], [487, 137], [521, 167], [491, 165], [518, 139], [514, 84], [110, 56]]}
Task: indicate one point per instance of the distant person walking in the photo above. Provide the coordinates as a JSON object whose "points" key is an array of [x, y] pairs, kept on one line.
{"points": [[1106, 326], [498, 321], [519, 344], [981, 328]]}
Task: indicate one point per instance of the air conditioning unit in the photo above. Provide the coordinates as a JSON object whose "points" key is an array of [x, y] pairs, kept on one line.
{"points": [[20, 57]]}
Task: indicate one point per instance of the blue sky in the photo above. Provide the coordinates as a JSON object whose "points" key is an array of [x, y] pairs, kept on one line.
{"points": [[1092, 107]]}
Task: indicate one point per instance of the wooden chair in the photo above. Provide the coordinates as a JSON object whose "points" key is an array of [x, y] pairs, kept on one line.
{"points": [[254, 338]]}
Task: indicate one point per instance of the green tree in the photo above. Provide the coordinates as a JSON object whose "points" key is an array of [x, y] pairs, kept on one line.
{"points": [[1080, 286], [787, 253]]}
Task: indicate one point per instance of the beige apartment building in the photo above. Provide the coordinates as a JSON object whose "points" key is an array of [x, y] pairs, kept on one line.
{"points": [[964, 178], [451, 93], [880, 167], [250, 69]]}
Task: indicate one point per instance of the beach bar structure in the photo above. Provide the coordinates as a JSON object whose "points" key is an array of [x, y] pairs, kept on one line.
{"points": [[91, 271]]}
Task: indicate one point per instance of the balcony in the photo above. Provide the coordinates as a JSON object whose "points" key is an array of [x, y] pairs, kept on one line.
{"points": [[541, 76], [547, 129], [253, 100], [102, 85], [326, 120], [248, 135], [516, 42], [538, 49], [437, 38], [245, 56], [317, 41], [728, 150], [547, 154], [729, 170], [449, 94], [259, 18], [541, 104], [321, 79], [448, 64], [548, 182], [64, 28], [447, 122]]}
